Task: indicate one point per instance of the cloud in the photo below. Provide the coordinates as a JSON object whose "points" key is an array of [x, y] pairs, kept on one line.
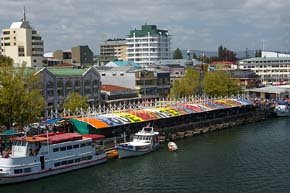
{"points": [[193, 24]]}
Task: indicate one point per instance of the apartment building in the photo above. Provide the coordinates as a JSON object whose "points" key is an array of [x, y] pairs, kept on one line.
{"points": [[147, 45], [113, 49], [23, 44]]}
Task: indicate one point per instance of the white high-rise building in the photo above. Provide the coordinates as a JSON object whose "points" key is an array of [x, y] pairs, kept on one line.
{"points": [[23, 44], [148, 45]]}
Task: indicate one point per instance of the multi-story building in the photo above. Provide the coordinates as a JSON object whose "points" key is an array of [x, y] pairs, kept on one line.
{"points": [[147, 45], [23, 44], [59, 82], [142, 80], [113, 49], [272, 70], [79, 55]]}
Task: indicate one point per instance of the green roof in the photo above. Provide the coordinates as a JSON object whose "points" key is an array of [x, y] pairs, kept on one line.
{"points": [[67, 71], [152, 29]]}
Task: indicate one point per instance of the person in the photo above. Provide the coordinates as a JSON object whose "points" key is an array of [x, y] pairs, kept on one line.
{"points": [[2, 147]]}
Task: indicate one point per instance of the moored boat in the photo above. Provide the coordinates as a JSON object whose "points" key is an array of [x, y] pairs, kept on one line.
{"points": [[282, 109], [45, 155], [144, 141]]}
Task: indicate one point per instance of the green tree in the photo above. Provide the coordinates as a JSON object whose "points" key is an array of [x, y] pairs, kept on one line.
{"points": [[21, 101], [219, 83], [177, 54], [187, 86], [75, 101]]}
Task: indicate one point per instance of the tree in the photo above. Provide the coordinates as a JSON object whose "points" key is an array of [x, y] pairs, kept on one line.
{"points": [[226, 55], [75, 101], [177, 54], [21, 101], [187, 86], [258, 53], [219, 83]]}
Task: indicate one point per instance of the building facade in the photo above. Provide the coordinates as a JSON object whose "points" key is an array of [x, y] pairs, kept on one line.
{"points": [[272, 70], [59, 82], [142, 80], [148, 45], [113, 49], [23, 44], [79, 56]]}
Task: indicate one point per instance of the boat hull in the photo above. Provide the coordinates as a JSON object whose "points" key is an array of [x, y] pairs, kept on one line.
{"points": [[125, 153], [49, 172], [282, 114]]}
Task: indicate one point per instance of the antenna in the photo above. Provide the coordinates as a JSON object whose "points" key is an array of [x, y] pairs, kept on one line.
{"points": [[263, 45], [24, 13]]}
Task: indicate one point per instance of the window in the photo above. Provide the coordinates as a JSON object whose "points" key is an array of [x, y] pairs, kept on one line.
{"points": [[83, 158], [57, 164], [55, 149], [18, 171], [89, 157], [83, 144], [76, 146], [69, 147], [70, 161], [27, 170], [62, 148], [63, 163], [77, 160], [89, 144], [6, 32]]}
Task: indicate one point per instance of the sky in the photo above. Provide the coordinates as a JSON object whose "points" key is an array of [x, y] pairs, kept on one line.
{"points": [[192, 24]]}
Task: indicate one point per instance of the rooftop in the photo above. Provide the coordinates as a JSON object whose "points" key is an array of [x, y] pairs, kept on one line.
{"points": [[20, 24], [66, 71], [145, 29], [114, 88]]}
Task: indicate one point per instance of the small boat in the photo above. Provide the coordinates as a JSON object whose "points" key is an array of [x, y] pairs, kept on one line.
{"points": [[172, 146], [49, 154], [145, 141]]}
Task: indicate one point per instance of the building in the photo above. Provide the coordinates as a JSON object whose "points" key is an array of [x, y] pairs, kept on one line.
{"points": [[23, 44], [163, 81], [59, 82], [147, 45], [117, 94], [142, 80], [122, 64], [113, 49], [272, 70], [246, 78], [270, 92], [79, 56]]}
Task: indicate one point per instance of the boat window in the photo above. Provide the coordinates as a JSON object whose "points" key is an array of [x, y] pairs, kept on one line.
{"points": [[90, 157], [83, 144], [64, 162], [89, 143], [69, 147], [23, 143], [62, 148], [55, 149], [84, 158], [76, 146], [27, 170], [57, 164], [70, 161], [77, 160], [18, 171]]}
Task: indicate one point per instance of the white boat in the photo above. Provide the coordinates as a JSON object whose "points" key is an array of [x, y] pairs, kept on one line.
{"points": [[282, 109], [172, 146], [40, 156], [145, 141]]}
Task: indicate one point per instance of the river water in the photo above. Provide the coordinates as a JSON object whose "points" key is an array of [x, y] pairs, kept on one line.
{"points": [[249, 158]]}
